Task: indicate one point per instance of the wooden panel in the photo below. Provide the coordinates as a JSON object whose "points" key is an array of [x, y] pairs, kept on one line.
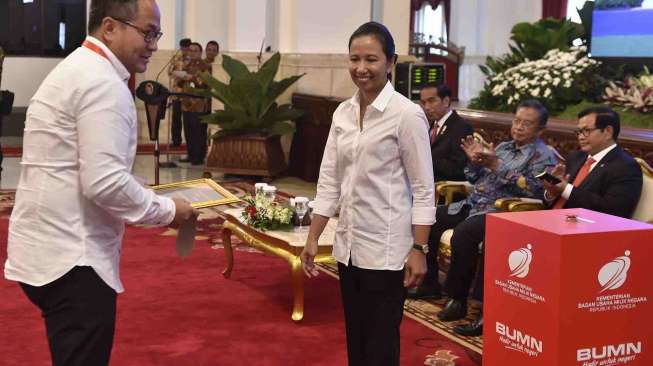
{"points": [[311, 134], [495, 127], [313, 129]]}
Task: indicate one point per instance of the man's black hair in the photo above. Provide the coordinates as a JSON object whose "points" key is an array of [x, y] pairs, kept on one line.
{"points": [[124, 10]]}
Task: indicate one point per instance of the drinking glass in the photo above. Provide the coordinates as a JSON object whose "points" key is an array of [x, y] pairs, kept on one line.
{"points": [[301, 208], [269, 192], [258, 188]]}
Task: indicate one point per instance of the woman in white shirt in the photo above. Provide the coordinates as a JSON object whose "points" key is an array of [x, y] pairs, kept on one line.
{"points": [[377, 167]]}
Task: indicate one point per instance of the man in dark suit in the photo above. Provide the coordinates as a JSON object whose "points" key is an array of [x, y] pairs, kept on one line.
{"points": [[447, 130], [601, 176]]}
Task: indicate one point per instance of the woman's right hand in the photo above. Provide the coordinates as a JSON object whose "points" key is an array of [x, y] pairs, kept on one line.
{"points": [[307, 256]]}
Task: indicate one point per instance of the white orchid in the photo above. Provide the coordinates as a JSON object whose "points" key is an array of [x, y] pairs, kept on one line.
{"points": [[636, 93]]}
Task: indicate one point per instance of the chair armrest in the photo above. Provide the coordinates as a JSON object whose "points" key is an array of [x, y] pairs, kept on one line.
{"points": [[515, 204], [502, 204], [449, 187]]}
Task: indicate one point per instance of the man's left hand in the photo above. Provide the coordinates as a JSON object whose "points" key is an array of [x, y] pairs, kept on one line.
{"points": [[415, 269]]}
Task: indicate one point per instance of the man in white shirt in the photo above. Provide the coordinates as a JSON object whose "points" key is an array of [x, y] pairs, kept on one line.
{"points": [[76, 189]]}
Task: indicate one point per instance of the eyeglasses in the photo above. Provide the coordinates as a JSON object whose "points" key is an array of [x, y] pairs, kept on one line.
{"points": [[148, 35], [586, 131], [524, 123]]}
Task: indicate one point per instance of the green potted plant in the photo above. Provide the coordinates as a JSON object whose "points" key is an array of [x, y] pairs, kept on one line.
{"points": [[251, 122]]}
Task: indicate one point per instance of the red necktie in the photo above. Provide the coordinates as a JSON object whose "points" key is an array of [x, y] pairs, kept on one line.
{"points": [[434, 132], [582, 173]]}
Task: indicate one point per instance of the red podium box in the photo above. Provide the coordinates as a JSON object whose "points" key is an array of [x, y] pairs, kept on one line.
{"points": [[568, 287]]}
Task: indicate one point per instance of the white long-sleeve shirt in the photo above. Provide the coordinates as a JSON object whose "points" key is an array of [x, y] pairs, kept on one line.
{"points": [[382, 177], [76, 189]]}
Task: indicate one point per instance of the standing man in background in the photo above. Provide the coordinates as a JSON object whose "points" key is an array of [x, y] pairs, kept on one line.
{"points": [[212, 51], [76, 190], [193, 108], [177, 64]]}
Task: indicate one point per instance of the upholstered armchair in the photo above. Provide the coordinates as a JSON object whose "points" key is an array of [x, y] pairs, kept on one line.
{"points": [[447, 190], [644, 209]]}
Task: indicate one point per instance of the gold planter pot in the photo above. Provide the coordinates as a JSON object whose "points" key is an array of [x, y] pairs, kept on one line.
{"points": [[247, 155]]}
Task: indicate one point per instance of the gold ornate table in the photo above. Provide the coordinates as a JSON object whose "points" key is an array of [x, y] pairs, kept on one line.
{"points": [[283, 244]]}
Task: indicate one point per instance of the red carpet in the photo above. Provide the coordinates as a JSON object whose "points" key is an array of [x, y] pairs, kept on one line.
{"points": [[182, 313]]}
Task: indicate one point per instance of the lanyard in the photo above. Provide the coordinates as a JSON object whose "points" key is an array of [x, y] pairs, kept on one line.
{"points": [[95, 48]]}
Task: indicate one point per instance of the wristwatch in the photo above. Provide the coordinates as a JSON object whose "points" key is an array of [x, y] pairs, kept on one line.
{"points": [[424, 248]]}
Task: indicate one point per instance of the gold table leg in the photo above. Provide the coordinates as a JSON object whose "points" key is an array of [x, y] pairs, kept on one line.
{"points": [[228, 250], [297, 274], [298, 288]]}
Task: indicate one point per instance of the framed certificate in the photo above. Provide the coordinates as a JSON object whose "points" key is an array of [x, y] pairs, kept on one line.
{"points": [[200, 193]]}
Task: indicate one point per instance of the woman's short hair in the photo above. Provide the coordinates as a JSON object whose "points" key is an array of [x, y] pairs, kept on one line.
{"points": [[381, 33]]}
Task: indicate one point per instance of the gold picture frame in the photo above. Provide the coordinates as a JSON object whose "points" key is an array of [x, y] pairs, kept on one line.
{"points": [[201, 193]]}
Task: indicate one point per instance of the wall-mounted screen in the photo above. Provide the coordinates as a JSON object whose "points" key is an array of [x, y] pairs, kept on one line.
{"points": [[622, 29]]}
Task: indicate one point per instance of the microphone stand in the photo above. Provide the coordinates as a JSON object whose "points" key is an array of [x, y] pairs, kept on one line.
{"points": [[157, 152], [167, 163], [260, 55]]}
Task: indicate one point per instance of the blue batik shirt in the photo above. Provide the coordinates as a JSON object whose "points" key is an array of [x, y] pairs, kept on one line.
{"points": [[514, 177]]}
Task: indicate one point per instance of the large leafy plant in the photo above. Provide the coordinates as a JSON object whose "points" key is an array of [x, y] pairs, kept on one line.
{"points": [[249, 100]]}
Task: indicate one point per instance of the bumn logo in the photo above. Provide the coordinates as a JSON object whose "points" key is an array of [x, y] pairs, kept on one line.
{"points": [[613, 274], [519, 261], [519, 340], [612, 350]]}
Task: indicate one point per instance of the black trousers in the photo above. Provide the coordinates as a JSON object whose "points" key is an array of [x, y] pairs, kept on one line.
{"points": [[80, 315], [196, 134], [443, 222], [175, 128], [373, 302], [464, 259]]}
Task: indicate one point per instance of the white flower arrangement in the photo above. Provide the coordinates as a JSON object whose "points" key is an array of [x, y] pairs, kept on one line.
{"points": [[265, 215], [546, 78]]}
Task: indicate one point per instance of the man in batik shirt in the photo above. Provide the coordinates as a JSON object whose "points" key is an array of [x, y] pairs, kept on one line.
{"points": [[507, 171]]}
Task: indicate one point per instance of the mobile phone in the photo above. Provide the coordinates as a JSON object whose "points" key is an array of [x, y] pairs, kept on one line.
{"points": [[548, 177]]}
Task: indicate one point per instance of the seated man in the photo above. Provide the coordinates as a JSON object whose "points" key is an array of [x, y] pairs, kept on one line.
{"points": [[507, 171], [447, 129], [601, 176]]}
